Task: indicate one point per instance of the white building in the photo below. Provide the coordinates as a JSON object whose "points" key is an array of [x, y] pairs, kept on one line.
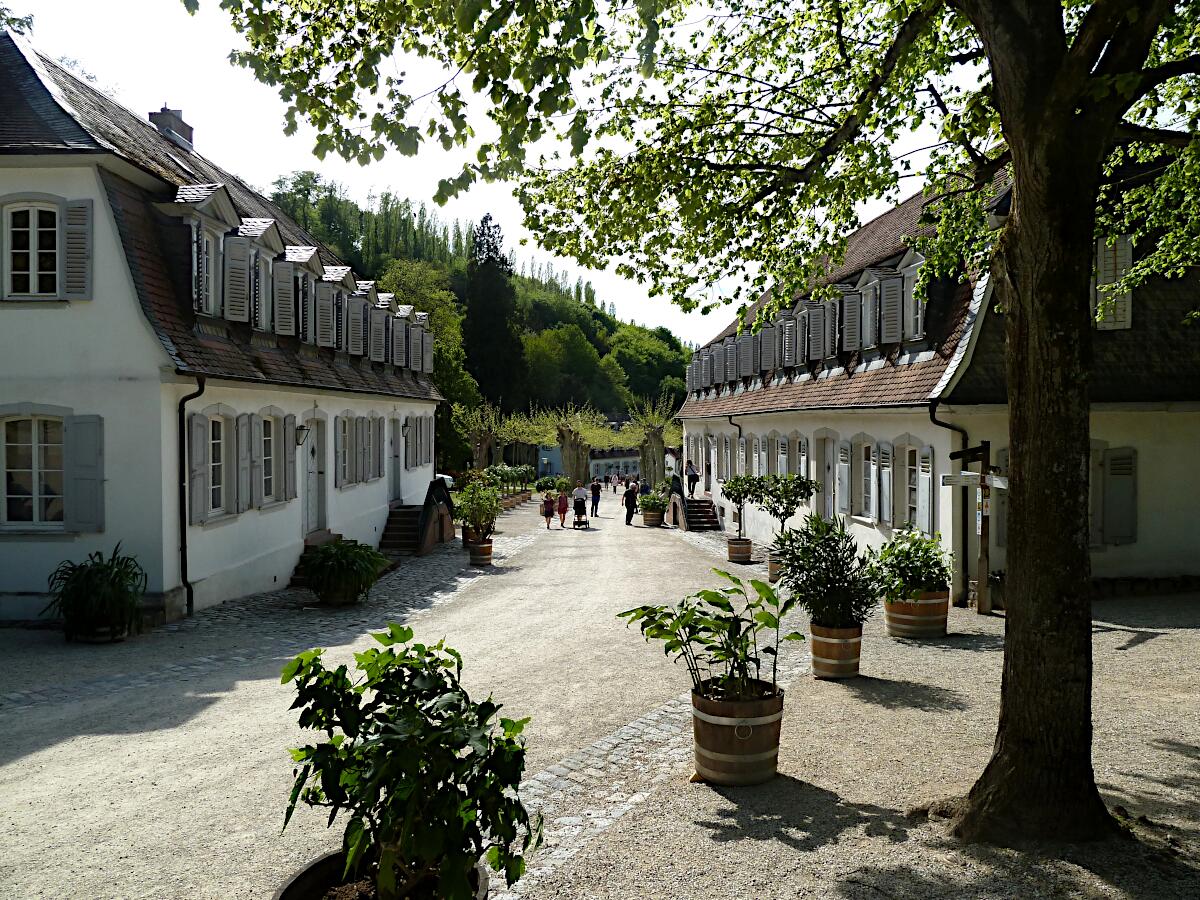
{"points": [[183, 370], [871, 392]]}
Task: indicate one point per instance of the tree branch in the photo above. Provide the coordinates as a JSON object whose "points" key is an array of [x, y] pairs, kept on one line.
{"points": [[1151, 78], [1128, 133]]}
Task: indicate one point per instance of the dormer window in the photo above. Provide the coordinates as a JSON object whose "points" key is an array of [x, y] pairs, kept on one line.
{"points": [[914, 304], [32, 241], [262, 293]]}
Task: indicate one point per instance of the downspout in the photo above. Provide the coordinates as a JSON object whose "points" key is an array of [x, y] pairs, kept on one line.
{"points": [[181, 427], [742, 507], [964, 564]]}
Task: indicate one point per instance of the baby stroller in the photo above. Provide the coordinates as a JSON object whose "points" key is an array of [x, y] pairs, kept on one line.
{"points": [[581, 516]]}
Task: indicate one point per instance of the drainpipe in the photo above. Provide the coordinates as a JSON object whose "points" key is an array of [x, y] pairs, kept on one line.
{"points": [[181, 427], [964, 564], [741, 509]]}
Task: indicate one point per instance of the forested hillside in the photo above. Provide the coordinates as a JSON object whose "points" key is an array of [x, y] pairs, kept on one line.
{"points": [[516, 333]]}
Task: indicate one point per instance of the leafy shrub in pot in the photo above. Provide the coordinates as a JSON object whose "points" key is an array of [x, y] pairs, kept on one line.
{"points": [[341, 572], [780, 496], [912, 573], [478, 507], [428, 778], [827, 577], [545, 483], [739, 490], [653, 503], [716, 635], [99, 598]]}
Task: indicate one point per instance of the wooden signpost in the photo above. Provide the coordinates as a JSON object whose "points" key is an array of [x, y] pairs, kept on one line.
{"points": [[983, 480]]}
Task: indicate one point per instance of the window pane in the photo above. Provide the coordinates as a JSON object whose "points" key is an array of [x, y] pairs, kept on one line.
{"points": [[47, 284], [20, 239], [18, 482], [51, 484], [47, 262], [47, 240], [19, 510], [216, 476], [216, 498], [18, 431], [20, 218], [52, 509], [46, 218], [20, 262], [50, 431], [20, 284], [19, 456]]}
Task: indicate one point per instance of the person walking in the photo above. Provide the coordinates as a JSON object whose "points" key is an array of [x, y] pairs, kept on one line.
{"points": [[631, 501], [548, 507], [693, 475], [579, 496], [596, 488], [563, 506]]}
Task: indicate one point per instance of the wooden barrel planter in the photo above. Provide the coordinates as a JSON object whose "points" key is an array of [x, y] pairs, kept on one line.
{"points": [[468, 535], [835, 651], [481, 553], [652, 518], [326, 872], [739, 549], [773, 569], [924, 616], [737, 741]]}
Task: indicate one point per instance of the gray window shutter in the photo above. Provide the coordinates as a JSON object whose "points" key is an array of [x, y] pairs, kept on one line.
{"points": [[999, 519], [283, 294], [364, 448], [925, 490], [77, 250], [1114, 311], [1120, 495], [83, 475], [732, 363], [717, 356], [816, 332], [244, 442], [256, 461], [289, 457], [745, 356], [884, 453], [416, 347], [891, 309], [427, 352], [197, 469], [852, 321], [356, 448], [768, 344], [339, 451], [380, 435], [237, 279], [831, 324], [690, 376], [378, 336], [842, 491], [326, 332], [354, 326], [399, 342], [873, 508], [409, 426], [790, 327]]}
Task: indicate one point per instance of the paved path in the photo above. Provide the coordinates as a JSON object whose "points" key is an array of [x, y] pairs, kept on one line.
{"points": [[158, 768]]}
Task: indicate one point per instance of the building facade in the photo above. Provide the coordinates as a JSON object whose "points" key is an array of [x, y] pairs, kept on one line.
{"points": [[183, 370], [870, 392]]}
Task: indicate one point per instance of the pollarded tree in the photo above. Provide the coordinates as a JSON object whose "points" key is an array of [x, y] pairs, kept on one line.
{"points": [[763, 130], [481, 423], [652, 428], [577, 430]]}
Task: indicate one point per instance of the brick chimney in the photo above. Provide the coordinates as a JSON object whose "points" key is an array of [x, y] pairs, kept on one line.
{"points": [[170, 123]]}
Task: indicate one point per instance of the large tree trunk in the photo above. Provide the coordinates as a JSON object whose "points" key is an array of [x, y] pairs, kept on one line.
{"points": [[575, 454], [1039, 783], [651, 458]]}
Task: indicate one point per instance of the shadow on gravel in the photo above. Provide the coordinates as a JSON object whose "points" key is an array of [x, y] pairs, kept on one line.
{"points": [[978, 641], [799, 815], [899, 694], [1175, 611]]}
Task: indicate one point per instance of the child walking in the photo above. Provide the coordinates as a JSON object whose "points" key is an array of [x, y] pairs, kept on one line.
{"points": [[548, 508]]}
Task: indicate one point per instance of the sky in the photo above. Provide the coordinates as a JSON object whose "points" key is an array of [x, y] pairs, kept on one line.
{"points": [[150, 53]]}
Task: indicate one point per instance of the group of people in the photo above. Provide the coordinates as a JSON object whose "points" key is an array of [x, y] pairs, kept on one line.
{"points": [[561, 504]]}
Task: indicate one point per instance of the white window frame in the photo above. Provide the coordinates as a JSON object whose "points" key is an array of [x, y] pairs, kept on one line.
{"points": [[782, 448], [34, 272], [210, 253], [912, 485], [343, 450], [263, 307], [270, 446], [864, 486], [37, 471], [219, 446], [741, 456], [912, 307]]}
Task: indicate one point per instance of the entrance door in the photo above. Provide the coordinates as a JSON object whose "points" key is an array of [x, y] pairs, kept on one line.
{"points": [[314, 477], [397, 459], [710, 463], [829, 452]]}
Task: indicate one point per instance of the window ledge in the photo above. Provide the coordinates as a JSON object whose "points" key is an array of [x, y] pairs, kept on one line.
{"points": [[272, 505], [25, 534], [860, 519], [218, 521], [31, 300]]}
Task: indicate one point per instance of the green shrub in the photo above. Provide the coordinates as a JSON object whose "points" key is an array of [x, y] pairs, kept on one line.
{"points": [[739, 490], [910, 563], [780, 496], [98, 597], [652, 502], [545, 483], [821, 566], [716, 634], [427, 777], [342, 572], [478, 508], [562, 483]]}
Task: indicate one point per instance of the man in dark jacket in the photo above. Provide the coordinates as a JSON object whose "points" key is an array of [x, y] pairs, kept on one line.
{"points": [[631, 501]]}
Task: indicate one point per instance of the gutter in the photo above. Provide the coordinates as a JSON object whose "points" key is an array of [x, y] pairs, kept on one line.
{"points": [[181, 429], [964, 515]]}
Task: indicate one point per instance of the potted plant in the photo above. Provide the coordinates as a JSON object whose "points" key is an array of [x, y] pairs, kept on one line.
{"points": [[912, 573], [736, 711], [545, 483], [427, 777], [822, 568], [100, 598], [738, 490], [341, 572], [652, 505], [779, 496], [479, 506]]}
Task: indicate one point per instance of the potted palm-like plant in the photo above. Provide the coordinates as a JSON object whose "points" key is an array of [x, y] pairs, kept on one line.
{"points": [[652, 505], [822, 568], [722, 636], [479, 506], [100, 598], [912, 573], [427, 777], [780, 496], [341, 572], [738, 490]]}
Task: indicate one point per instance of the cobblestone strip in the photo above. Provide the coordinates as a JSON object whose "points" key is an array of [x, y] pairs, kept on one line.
{"points": [[284, 623], [582, 795]]}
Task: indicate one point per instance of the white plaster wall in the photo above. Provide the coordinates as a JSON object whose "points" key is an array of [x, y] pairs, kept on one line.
{"points": [[258, 549], [95, 357]]}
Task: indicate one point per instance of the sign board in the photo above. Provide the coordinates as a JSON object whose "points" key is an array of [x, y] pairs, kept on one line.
{"points": [[999, 482], [962, 479]]}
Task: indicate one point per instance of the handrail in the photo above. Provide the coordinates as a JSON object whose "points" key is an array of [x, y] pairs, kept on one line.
{"points": [[677, 488], [437, 493]]}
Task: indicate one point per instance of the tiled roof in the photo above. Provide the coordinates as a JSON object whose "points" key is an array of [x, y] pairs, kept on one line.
{"points": [[195, 193], [31, 120], [254, 227]]}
